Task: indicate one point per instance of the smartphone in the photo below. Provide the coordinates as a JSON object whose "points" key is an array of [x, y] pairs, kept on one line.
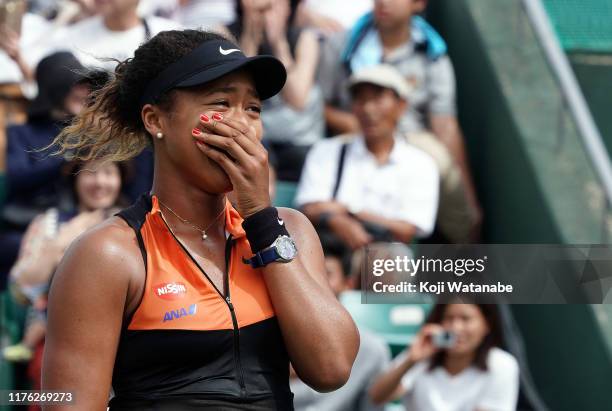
{"points": [[11, 14], [444, 339]]}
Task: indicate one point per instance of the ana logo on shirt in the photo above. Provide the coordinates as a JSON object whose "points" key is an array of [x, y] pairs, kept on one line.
{"points": [[181, 312], [170, 291]]}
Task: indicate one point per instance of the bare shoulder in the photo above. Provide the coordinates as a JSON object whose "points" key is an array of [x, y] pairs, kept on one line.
{"points": [[112, 238], [87, 306], [110, 248]]}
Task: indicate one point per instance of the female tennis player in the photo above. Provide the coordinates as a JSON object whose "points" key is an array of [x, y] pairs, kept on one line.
{"points": [[183, 301]]}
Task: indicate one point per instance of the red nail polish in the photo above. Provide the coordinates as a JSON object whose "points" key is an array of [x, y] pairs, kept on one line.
{"points": [[196, 132], [204, 118], [217, 117]]}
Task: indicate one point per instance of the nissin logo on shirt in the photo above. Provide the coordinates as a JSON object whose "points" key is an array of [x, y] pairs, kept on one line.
{"points": [[181, 312], [170, 291]]}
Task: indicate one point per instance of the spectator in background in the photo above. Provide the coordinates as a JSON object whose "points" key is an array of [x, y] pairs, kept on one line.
{"points": [[373, 356], [101, 41], [96, 188], [111, 35], [32, 174], [17, 50], [293, 120], [395, 35], [372, 184], [24, 45], [473, 373]]}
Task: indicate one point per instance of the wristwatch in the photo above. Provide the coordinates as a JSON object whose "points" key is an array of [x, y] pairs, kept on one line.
{"points": [[282, 250]]}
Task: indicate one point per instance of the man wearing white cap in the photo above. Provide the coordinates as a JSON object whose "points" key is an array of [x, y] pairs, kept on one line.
{"points": [[373, 185]]}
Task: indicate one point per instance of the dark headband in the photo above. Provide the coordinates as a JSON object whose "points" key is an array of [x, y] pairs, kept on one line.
{"points": [[212, 60]]}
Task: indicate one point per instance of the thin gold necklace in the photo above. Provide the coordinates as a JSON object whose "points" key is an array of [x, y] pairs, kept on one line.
{"points": [[202, 231]]}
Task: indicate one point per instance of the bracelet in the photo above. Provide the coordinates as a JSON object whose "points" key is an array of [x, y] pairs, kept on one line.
{"points": [[263, 227]]}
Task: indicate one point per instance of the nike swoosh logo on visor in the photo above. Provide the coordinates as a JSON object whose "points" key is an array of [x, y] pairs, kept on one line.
{"points": [[226, 52]]}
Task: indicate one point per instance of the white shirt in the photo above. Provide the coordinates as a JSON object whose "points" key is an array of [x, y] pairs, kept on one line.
{"points": [[34, 29], [90, 40], [207, 14], [338, 10], [472, 389], [404, 188], [192, 14]]}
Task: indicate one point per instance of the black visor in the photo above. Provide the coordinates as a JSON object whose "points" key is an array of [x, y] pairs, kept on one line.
{"points": [[213, 60]]}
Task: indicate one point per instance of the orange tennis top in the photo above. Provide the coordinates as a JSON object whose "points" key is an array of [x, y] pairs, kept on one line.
{"points": [[186, 340]]}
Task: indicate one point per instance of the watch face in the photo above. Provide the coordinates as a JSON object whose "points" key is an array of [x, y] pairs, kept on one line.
{"points": [[285, 247]]}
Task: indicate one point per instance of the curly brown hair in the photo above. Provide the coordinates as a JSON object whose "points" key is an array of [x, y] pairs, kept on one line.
{"points": [[110, 127]]}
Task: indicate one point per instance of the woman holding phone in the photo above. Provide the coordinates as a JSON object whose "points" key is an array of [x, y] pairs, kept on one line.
{"points": [[453, 364], [182, 301]]}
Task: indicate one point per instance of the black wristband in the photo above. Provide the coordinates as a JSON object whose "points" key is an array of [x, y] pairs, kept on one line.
{"points": [[263, 227]]}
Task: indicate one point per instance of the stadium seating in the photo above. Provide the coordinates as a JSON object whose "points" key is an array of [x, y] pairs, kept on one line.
{"points": [[285, 193]]}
